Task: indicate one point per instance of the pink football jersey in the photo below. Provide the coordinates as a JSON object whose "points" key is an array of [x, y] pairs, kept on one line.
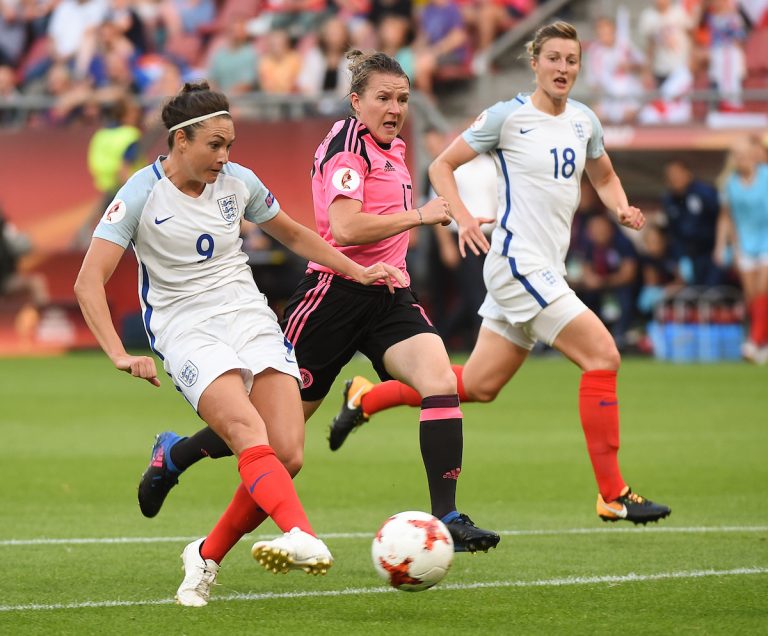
{"points": [[351, 163]]}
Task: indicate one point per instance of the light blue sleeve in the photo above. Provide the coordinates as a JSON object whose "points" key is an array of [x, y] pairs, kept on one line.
{"points": [[483, 135], [121, 218], [595, 146], [261, 206]]}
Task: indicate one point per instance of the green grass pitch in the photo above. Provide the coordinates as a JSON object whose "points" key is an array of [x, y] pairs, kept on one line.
{"points": [[75, 436]]}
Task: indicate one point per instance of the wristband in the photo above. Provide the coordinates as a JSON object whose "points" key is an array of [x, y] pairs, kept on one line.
{"points": [[421, 218]]}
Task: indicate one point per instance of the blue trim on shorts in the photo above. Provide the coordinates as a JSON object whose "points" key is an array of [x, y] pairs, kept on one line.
{"points": [[149, 309], [526, 283], [508, 208]]}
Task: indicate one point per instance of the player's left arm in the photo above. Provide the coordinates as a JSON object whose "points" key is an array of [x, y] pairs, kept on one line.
{"points": [[608, 187], [310, 245]]}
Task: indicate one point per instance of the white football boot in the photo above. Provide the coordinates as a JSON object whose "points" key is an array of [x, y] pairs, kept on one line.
{"points": [[294, 550], [199, 576]]}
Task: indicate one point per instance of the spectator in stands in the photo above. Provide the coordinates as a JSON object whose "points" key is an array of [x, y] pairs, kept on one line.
{"points": [[487, 19], [659, 273], [383, 8], [72, 22], [13, 32], [297, 17], [186, 16], [395, 34], [691, 207], [609, 276], [280, 65], [9, 96], [726, 54], [442, 41], [744, 226], [324, 68], [614, 68], [232, 67], [113, 156], [589, 205], [67, 94], [460, 324], [665, 30], [125, 18]]}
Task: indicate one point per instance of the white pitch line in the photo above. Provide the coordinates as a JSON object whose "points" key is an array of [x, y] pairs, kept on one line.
{"points": [[369, 535], [267, 596]]}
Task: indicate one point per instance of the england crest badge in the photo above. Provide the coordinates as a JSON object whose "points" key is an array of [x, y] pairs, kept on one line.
{"points": [[228, 207]]}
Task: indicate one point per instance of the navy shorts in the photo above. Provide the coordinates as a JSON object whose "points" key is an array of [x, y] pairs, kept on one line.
{"points": [[329, 318]]}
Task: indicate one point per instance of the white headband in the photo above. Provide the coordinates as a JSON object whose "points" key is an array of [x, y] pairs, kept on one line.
{"points": [[194, 120]]}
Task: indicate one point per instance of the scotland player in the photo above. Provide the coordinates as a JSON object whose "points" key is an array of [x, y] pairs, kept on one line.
{"points": [[541, 143], [208, 322]]}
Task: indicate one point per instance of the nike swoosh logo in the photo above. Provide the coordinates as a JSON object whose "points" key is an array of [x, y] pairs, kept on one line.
{"points": [[608, 403], [351, 401], [258, 479], [619, 512], [525, 132], [159, 221]]}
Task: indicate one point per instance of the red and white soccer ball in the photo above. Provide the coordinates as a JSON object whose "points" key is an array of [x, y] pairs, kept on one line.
{"points": [[412, 551]]}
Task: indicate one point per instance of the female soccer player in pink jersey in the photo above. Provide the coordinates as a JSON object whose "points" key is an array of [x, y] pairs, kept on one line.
{"points": [[362, 194], [541, 144]]}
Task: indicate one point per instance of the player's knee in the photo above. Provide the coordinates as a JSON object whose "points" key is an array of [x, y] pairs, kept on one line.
{"points": [[293, 461], [606, 357], [482, 393]]}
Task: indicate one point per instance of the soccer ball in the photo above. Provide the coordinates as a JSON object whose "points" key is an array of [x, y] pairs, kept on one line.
{"points": [[412, 551]]}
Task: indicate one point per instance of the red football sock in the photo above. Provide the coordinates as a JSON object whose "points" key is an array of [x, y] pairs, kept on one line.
{"points": [[393, 393], [270, 486], [758, 331], [599, 411], [388, 394], [241, 517], [458, 371]]}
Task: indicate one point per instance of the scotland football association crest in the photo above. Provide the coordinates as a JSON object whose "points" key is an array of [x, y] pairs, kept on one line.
{"points": [[188, 374], [228, 207]]}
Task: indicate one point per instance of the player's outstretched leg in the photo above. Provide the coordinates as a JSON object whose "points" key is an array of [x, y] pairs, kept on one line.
{"points": [[356, 409], [171, 456], [631, 507], [160, 476], [294, 550], [351, 414], [199, 576]]}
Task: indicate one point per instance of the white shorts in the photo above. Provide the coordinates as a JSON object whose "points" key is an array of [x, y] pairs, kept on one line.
{"points": [[526, 309], [249, 340], [751, 262]]}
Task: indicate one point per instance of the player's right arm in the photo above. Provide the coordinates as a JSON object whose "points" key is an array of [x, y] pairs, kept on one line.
{"points": [[351, 226], [98, 266], [443, 181]]}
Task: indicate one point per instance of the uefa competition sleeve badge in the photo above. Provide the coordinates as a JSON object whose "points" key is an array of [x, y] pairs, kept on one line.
{"points": [[346, 180], [228, 208], [188, 374], [479, 121], [115, 212]]}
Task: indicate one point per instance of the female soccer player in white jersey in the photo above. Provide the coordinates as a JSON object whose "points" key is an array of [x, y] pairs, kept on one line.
{"points": [[362, 194], [541, 143], [209, 324]]}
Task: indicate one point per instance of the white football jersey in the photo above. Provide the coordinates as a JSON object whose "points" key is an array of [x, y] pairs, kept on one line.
{"points": [[191, 265], [539, 161]]}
